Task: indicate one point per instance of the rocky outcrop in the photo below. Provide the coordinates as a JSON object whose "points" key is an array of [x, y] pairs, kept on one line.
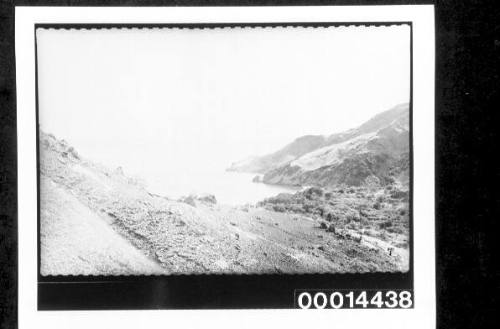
{"points": [[194, 200]]}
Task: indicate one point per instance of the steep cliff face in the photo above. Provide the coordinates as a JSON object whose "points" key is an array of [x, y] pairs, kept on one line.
{"points": [[377, 152]]}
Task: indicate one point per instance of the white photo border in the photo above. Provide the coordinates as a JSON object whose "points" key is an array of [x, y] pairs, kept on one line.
{"points": [[422, 19]]}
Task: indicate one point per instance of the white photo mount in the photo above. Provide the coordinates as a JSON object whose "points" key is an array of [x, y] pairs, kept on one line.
{"points": [[421, 19]]}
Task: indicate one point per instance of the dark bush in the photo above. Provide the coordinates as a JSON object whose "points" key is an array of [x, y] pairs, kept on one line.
{"points": [[320, 211], [279, 208], [354, 216], [308, 207], [330, 216], [280, 198], [314, 191], [403, 244], [295, 208], [385, 224], [397, 194], [390, 180]]}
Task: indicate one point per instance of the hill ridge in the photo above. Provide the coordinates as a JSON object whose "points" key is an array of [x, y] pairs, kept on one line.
{"points": [[369, 153]]}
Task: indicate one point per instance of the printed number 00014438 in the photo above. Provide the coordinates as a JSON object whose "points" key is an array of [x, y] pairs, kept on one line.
{"points": [[354, 299]]}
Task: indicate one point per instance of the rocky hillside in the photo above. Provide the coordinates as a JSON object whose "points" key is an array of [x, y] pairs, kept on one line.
{"points": [[375, 153], [292, 151], [98, 221]]}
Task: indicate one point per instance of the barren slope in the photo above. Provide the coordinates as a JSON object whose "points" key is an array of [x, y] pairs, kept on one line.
{"points": [[200, 237], [74, 240]]}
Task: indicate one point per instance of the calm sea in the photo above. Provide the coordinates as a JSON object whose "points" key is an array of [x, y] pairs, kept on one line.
{"points": [[229, 188]]}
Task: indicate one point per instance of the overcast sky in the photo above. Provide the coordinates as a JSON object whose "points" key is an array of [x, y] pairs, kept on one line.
{"points": [[167, 99]]}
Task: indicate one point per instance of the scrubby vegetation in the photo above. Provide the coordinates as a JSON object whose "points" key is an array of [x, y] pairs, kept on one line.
{"points": [[134, 231], [381, 213]]}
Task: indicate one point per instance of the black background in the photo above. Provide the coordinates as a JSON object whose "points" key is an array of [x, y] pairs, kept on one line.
{"points": [[467, 197]]}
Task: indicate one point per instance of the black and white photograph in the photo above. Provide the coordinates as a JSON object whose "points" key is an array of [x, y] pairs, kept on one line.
{"points": [[247, 164], [244, 149], [219, 166]]}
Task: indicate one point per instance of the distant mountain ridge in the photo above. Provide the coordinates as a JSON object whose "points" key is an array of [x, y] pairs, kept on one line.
{"points": [[376, 152], [290, 152]]}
